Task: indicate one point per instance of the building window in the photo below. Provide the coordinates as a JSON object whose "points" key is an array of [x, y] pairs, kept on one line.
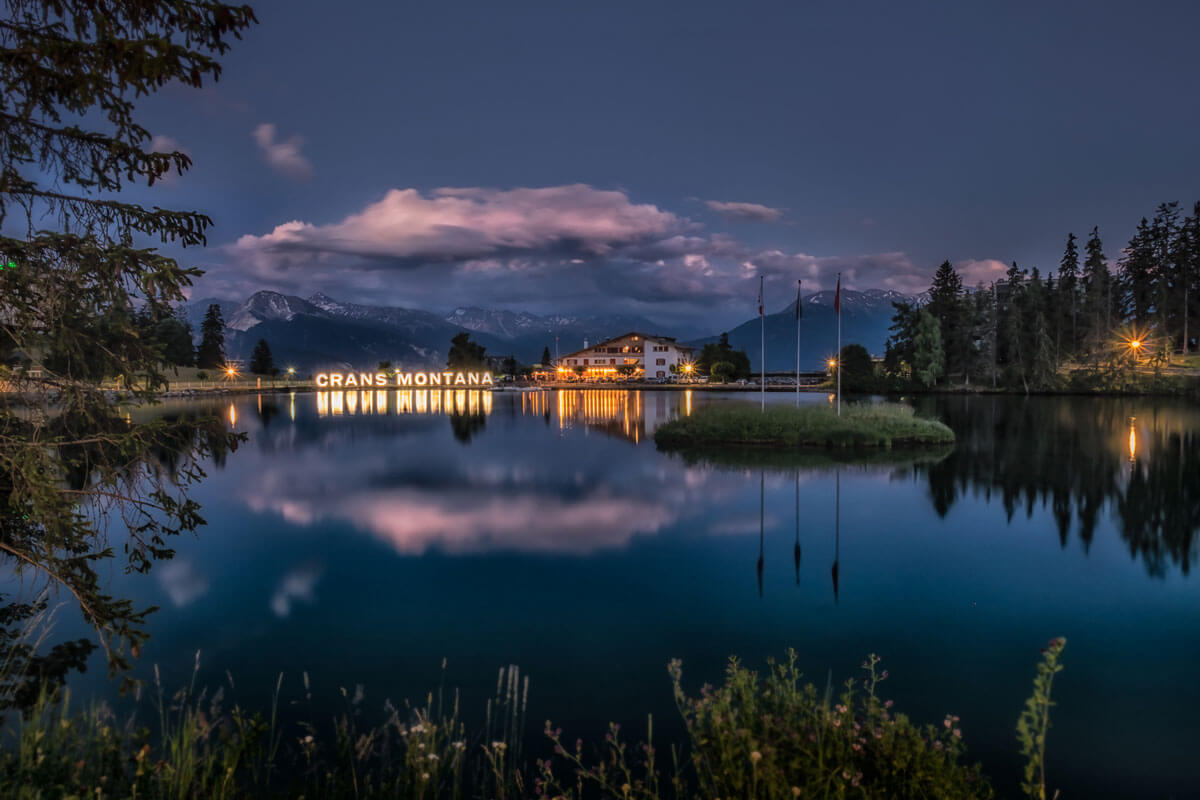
{"points": [[585, 362], [612, 361], [660, 361], [660, 374]]}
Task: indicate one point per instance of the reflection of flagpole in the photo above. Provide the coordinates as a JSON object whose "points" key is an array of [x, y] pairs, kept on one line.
{"points": [[837, 530], [761, 501], [796, 546]]}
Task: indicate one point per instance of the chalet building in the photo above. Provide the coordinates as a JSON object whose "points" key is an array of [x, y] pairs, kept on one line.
{"points": [[634, 355]]}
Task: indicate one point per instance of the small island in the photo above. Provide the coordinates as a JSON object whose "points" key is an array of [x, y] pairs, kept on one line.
{"points": [[876, 425]]}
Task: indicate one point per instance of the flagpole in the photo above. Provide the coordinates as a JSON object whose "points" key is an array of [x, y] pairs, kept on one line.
{"points": [[799, 286], [762, 388], [838, 361]]}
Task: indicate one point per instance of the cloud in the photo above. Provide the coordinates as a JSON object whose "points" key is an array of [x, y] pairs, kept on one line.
{"points": [[166, 144], [745, 212], [567, 248], [297, 584], [182, 583], [458, 224], [984, 270], [284, 157]]}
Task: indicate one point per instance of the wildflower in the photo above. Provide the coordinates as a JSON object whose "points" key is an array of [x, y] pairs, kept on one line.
{"points": [[795, 791], [308, 739], [625, 788], [946, 722], [846, 774], [958, 733], [837, 723], [755, 756], [460, 745], [857, 747], [937, 745], [432, 757], [424, 776], [501, 746], [888, 704], [884, 675]]}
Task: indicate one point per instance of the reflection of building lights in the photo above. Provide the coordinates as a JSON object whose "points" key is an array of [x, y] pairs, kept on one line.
{"points": [[1132, 441], [232, 415], [687, 402]]}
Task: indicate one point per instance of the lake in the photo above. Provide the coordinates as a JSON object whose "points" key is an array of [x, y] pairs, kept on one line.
{"points": [[364, 537]]}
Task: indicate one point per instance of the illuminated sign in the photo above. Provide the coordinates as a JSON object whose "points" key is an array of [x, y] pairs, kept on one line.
{"points": [[358, 380]]}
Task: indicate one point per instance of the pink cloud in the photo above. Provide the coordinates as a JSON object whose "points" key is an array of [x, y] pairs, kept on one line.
{"points": [[745, 212]]}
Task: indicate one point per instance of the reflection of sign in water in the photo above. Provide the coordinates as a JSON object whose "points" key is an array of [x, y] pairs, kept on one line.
{"points": [[405, 401], [358, 380]]}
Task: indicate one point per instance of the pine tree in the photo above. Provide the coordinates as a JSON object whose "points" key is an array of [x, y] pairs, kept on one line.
{"points": [[1189, 274], [1012, 328], [1164, 241], [945, 306], [1097, 293], [1068, 293], [929, 362], [1042, 370], [898, 353], [983, 325], [211, 352], [546, 356], [1137, 277], [261, 361], [71, 460]]}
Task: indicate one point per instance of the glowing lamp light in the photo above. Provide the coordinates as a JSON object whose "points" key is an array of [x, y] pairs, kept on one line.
{"points": [[1135, 344], [832, 363]]}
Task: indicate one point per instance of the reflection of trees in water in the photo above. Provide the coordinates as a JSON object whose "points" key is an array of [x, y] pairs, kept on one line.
{"points": [[1065, 454], [107, 466], [1160, 509], [467, 426]]}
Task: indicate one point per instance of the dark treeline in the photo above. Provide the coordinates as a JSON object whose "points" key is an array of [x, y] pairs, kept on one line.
{"points": [[1019, 332]]}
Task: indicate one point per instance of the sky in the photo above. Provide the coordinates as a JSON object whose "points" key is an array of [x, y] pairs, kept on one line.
{"points": [[657, 158]]}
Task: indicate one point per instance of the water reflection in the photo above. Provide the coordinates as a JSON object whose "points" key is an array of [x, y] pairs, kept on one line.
{"points": [[1080, 457]]}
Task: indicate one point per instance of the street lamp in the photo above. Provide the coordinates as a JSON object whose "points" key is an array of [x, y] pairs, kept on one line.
{"points": [[832, 363]]}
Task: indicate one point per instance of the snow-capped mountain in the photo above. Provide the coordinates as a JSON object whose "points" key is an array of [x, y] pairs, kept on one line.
{"points": [[263, 306]]}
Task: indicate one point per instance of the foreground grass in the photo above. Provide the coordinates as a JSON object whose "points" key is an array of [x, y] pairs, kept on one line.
{"points": [[770, 736], [860, 425]]}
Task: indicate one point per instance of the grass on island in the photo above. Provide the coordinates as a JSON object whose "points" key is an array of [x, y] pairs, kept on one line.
{"points": [[884, 425]]}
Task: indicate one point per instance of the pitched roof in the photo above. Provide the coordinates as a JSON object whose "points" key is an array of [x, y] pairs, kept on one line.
{"points": [[650, 337]]}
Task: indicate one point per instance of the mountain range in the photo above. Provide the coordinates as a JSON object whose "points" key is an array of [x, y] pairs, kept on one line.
{"points": [[323, 333]]}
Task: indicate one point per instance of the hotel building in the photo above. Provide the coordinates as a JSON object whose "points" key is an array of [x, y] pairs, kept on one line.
{"points": [[635, 355]]}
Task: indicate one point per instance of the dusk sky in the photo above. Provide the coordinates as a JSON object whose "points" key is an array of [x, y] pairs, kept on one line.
{"points": [[656, 158]]}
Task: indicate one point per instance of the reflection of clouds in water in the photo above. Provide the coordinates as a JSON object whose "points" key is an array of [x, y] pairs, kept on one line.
{"points": [[461, 522], [295, 585], [517, 495], [735, 526], [182, 583]]}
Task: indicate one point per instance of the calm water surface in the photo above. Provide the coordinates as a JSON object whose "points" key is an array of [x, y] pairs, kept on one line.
{"points": [[365, 537]]}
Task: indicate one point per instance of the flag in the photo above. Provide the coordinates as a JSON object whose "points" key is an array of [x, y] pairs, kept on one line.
{"points": [[799, 307], [760, 302], [837, 297]]}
